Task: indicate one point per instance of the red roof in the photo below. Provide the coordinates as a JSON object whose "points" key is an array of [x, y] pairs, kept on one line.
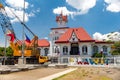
{"points": [[59, 28], [80, 33], [43, 43]]}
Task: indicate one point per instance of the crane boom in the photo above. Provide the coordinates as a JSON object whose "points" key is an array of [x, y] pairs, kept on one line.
{"points": [[5, 21], [23, 24], [31, 50], [6, 25]]}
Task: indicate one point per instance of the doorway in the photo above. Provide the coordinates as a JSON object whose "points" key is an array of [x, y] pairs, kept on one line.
{"points": [[74, 49]]}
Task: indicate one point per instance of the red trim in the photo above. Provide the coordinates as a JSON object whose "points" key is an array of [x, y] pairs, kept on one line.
{"points": [[60, 28], [78, 41], [100, 42], [87, 41], [62, 42]]}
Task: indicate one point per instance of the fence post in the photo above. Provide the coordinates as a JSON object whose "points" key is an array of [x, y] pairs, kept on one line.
{"points": [[114, 61]]}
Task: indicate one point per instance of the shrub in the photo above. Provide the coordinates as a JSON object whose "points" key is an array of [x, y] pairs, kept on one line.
{"points": [[98, 55]]}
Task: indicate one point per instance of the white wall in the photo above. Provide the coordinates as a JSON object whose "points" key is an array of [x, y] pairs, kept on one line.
{"points": [[88, 47], [42, 51]]}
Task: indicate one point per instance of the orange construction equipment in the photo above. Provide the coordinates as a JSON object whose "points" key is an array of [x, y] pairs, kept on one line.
{"points": [[31, 50]]}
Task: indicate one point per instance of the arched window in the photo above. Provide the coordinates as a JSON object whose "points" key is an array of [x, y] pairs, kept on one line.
{"points": [[46, 51], [56, 49], [104, 49], [65, 50], [95, 49], [84, 50]]}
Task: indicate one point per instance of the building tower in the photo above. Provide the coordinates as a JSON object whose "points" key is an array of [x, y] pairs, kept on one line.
{"points": [[56, 32], [61, 20]]}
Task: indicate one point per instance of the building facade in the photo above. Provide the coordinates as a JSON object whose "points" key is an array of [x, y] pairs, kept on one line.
{"points": [[43, 46], [67, 43]]}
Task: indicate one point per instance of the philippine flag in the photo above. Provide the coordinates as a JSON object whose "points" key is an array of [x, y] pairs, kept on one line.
{"points": [[27, 39], [11, 36]]}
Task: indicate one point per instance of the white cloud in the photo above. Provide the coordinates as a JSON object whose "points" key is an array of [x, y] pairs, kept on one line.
{"points": [[97, 36], [64, 11], [17, 3], [112, 5], [19, 13], [83, 6], [17, 7], [114, 36], [45, 37]]}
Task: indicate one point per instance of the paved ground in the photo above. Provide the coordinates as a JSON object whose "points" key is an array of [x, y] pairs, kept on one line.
{"points": [[58, 74], [52, 72], [31, 74]]}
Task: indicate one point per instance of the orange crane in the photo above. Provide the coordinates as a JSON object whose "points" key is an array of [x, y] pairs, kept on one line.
{"points": [[30, 50]]}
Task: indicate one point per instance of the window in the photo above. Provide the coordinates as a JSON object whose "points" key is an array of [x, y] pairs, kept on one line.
{"points": [[65, 50], [56, 38], [84, 50], [56, 50], [46, 51], [105, 50], [95, 49]]}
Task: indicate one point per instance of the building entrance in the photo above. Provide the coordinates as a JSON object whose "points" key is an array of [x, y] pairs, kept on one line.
{"points": [[74, 49]]}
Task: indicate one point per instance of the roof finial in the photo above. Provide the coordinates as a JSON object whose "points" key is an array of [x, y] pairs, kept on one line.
{"points": [[61, 19]]}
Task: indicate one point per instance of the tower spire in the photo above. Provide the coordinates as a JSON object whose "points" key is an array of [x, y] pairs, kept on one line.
{"points": [[61, 20]]}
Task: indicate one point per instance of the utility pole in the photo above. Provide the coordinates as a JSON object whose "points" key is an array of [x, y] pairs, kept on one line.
{"points": [[5, 47], [23, 44]]}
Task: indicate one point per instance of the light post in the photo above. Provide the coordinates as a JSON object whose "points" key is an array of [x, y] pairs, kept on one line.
{"points": [[23, 44]]}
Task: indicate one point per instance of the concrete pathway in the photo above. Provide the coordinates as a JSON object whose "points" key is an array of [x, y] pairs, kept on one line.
{"points": [[58, 74]]}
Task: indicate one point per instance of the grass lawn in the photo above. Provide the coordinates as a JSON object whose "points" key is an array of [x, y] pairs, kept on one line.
{"points": [[86, 74]]}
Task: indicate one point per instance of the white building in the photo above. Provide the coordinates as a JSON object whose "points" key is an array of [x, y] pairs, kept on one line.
{"points": [[43, 46], [74, 42]]}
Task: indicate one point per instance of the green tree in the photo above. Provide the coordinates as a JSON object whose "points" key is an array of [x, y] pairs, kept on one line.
{"points": [[9, 51], [98, 55], [1, 51], [116, 48]]}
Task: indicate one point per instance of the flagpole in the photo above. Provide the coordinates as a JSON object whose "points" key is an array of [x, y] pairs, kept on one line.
{"points": [[5, 47], [23, 32]]}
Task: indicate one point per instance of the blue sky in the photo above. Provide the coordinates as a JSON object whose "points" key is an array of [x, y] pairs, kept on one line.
{"points": [[101, 16]]}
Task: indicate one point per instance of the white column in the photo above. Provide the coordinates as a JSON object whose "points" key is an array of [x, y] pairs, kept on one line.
{"points": [[51, 49], [60, 47], [99, 48], [69, 47], [89, 50], [80, 50], [108, 50], [42, 51]]}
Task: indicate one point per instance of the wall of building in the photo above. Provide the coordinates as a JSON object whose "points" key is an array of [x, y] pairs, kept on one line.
{"points": [[89, 48], [42, 51]]}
